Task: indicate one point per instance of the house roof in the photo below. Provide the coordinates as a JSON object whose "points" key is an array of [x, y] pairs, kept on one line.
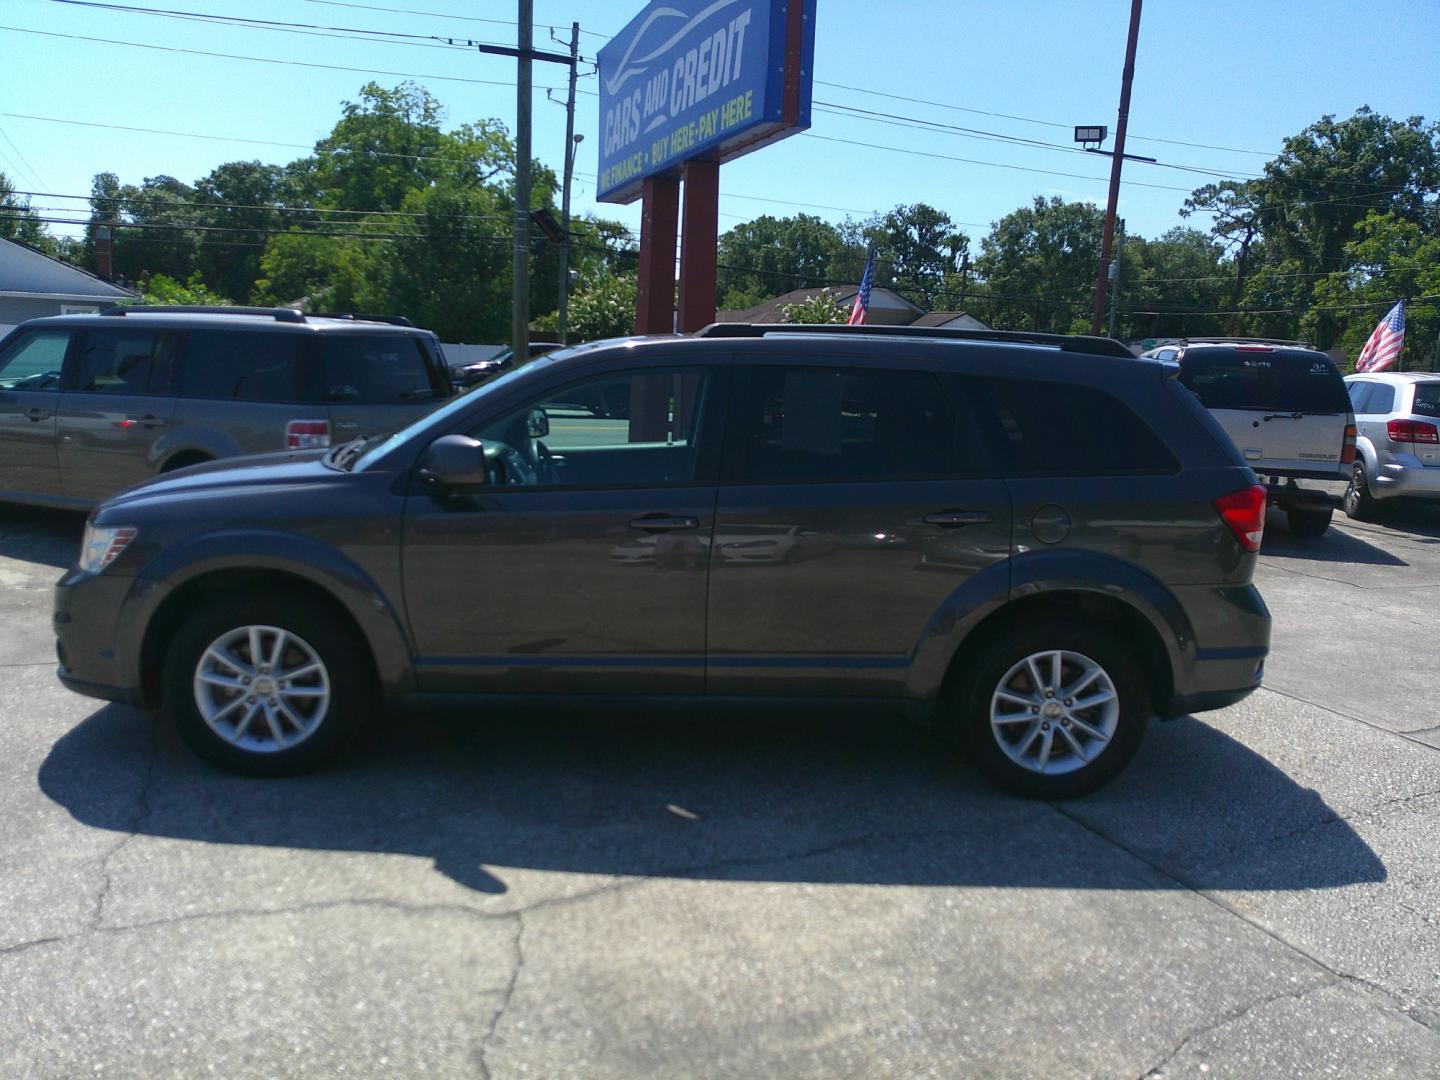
{"points": [[25, 272], [886, 305], [945, 318]]}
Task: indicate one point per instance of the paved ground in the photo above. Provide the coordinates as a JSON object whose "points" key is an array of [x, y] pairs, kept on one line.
{"points": [[1258, 896]]}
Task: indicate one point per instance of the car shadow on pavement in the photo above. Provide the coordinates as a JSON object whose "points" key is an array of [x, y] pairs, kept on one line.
{"points": [[1334, 546], [759, 797], [48, 537]]}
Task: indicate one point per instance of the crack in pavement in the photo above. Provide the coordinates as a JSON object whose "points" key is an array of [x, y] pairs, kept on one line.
{"points": [[1180, 878], [1350, 716], [519, 946], [1157, 1072], [1341, 581], [142, 811]]}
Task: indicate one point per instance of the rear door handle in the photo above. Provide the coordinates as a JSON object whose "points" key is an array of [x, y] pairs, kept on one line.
{"points": [[37, 414], [664, 522], [952, 518], [150, 420]]}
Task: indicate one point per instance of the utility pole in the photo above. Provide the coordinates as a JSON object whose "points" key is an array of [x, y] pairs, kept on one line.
{"points": [[520, 325], [572, 144], [1115, 276], [1102, 274]]}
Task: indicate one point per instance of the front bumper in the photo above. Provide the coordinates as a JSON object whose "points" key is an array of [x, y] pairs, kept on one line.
{"points": [[97, 656]]}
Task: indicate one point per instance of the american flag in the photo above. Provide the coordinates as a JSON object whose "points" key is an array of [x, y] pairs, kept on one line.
{"points": [[1384, 346], [862, 298]]}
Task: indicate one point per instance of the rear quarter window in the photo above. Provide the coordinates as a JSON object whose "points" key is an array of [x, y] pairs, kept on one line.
{"points": [[1277, 380], [1041, 428], [378, 369]]}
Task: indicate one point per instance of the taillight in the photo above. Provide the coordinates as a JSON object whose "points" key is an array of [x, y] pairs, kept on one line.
{"points": [[307, 434], [1347, 448], [1244, 512], [1412, 431]]}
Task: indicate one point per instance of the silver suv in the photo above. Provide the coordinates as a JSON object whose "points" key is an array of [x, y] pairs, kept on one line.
{"points": [[1398, 448], [91, 404], [1284, 406]]}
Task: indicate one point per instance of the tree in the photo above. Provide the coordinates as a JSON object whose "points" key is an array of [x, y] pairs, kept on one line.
{"points": [[229, 260], [18, 221], [823, 307], [602, 307], [160, 289], [769, 256], [1038, 264], [1181, 277], [917, 247], [386, 145]]}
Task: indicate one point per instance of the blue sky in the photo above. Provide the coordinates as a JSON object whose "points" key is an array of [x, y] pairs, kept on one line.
{"points": [[1234, 75]]}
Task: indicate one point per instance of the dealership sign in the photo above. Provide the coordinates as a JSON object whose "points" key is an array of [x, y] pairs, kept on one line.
{"points": [[709, 79]]}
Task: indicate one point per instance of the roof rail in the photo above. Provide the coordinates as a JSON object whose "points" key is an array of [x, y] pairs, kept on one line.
{"points": [[1225, 339], [1077, 343], [279, 314], [357, 316]]}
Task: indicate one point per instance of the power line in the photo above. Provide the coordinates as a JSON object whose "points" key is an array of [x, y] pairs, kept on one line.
{"points": [[28, 167]]}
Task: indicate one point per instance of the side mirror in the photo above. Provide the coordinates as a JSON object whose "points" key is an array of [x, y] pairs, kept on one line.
{"points": [[458, 461], [537, 424]]}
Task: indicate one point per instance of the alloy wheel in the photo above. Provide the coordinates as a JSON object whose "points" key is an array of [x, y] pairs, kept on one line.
{"points": [[1054, 712], [262, 689]]}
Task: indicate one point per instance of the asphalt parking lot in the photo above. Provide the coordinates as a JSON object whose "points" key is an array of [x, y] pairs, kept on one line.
{"points": [[566, 896]]}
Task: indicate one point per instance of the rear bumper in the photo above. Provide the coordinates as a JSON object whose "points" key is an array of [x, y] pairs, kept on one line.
{"points": [[1405, 474], [1226, 661]]}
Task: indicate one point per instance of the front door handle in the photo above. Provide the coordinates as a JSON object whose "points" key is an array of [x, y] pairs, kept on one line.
{"points": [[37, 414], [664, 522], [150, 420], [953, 518]]}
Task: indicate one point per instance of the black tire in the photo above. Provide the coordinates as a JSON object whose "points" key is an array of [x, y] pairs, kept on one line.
{"points": [[346, 674], [1309, 523], [184, 461], [1359, 504], [973, 692]]}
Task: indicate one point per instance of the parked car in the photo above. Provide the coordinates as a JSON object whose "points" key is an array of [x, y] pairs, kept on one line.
{"points": [[466, 375], [91, 404], [1285, 407], [1105, 534], [1398, 447]]}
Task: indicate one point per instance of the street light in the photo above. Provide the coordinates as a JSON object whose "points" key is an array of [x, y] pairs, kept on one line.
{"points": [[563, 315]]}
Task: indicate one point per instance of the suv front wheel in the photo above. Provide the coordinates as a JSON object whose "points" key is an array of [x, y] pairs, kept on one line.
{"points": [[1054, 709], [265, 686]]}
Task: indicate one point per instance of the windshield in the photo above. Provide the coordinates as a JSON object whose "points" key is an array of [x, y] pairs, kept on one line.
{"points": [[381, 445], [1272, 381]]}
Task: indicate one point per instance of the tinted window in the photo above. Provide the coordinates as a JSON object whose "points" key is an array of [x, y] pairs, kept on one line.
{"points": [[33, 361], [1285, 381], [377, 369], [1382, 399], [1359, 395], [629, 428], [125, 362], [1427, 398], [1065, 429], [828, 424], [246, 366]]}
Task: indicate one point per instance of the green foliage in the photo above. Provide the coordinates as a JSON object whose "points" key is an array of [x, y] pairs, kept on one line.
{"points": [[602, 307], [769, 256], [160, 289], [1039, 264], [18, 221], [823, 307]]}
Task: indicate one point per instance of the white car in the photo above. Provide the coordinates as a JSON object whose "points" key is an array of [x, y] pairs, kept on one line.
{"points": [[1284, 405], [1398, 449]]}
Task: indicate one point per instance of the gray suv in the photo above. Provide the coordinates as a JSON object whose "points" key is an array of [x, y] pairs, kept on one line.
{"points": [[986, 530], [1398, 451], [91, 404]]}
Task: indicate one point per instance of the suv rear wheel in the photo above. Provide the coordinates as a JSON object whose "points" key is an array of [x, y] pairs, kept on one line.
{"points": [[1053, 710], [1358, 502], [1309, 522], [264, 685]]}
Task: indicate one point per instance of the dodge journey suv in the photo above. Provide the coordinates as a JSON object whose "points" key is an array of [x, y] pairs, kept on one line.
{"points": [[90, 404], [988, 530]]}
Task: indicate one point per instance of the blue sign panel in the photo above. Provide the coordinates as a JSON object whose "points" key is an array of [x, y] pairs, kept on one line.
{"points": [[709, 79]]}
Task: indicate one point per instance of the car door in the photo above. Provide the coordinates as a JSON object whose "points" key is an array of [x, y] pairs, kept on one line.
{"points": [[585, 570], [31, 366], [1372, 416], [855, 498], [118, 400]]}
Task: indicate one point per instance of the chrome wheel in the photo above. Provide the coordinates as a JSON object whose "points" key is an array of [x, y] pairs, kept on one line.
{"points": [[1054, 712], [262, 688]]}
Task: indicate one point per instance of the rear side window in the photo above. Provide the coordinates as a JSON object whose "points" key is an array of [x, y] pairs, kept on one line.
{"points": [[33, 361], [1382, 400], [1066, 429], [125, 361], [1427, 399], [1276, 380], [377, 369], [1359, 395], [246, 367], [818, 424]]}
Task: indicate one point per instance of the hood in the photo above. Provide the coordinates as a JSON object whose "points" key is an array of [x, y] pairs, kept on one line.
{"points": [[303, 468]]}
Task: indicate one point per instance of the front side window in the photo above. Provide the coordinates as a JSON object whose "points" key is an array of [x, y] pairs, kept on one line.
{"points": [[818, 424], [377, 369], [125, 361], [243, 366], [621, 430], [33, 361]]}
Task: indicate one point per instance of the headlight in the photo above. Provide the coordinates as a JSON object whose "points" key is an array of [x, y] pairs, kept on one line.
{"points": [[101, 547]]}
